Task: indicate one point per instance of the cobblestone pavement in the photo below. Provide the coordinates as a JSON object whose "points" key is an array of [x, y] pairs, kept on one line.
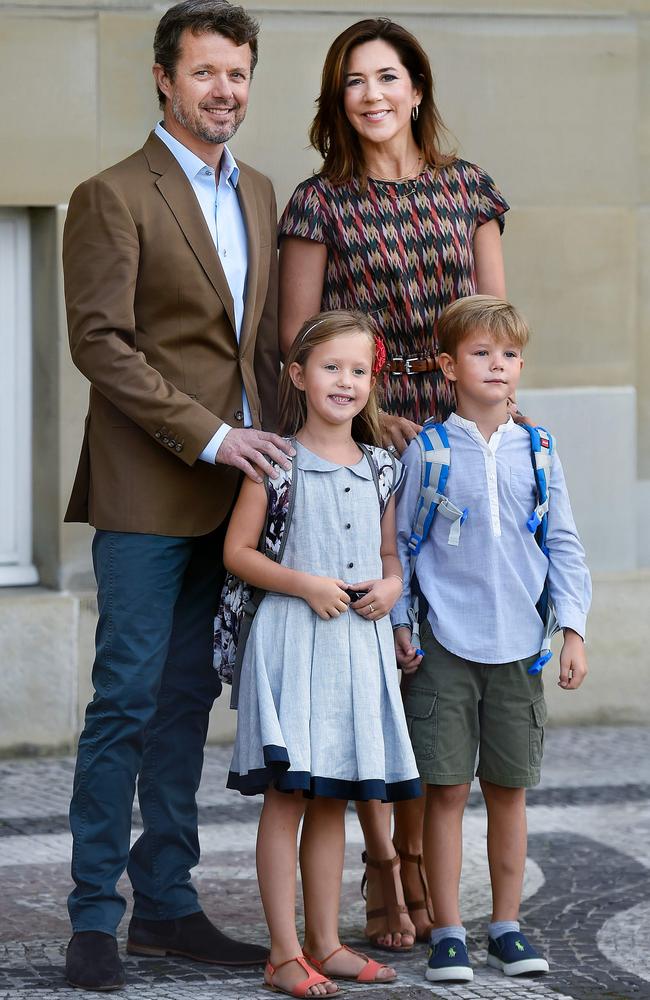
{"points": [[587, 887]]}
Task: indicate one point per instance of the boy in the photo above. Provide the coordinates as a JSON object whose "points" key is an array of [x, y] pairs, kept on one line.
{"points": [[472, 691]]}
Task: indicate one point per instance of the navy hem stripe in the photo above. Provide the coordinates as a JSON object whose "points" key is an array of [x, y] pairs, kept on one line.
{"points": [[276, 773]]}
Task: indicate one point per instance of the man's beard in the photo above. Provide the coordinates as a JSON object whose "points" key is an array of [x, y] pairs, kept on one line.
{"points": [[217, 133]]}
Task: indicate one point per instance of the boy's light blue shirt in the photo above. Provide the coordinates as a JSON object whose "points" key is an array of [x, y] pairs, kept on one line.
{"points": [[482, 594]]}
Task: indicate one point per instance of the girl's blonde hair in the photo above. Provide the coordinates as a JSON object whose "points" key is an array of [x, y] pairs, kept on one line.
{"points": [[317, 330], [498, 318]]}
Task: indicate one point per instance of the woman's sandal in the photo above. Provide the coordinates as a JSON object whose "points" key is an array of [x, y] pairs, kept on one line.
{"points": [[300, 989], [369, 973], [391, 916], [417, 899]]}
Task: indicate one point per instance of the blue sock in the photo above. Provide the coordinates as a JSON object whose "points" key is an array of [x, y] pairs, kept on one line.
{"points": [[439, 933], [500, 927]]}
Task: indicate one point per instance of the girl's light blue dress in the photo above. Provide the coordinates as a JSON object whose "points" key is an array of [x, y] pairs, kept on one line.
{"points": [[319, 702]]}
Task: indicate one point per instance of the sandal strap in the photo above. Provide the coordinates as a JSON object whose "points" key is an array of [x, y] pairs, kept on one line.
{"points": [[300, 989], [383, 911], [370, 970], [368, 973], [425, 902]]}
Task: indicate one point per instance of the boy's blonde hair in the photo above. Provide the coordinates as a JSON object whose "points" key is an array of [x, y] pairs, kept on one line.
{"points": [[317, 330], [496, 317]]}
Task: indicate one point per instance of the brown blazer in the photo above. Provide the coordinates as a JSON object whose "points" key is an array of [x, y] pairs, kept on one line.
{"points": [[151, 325]]}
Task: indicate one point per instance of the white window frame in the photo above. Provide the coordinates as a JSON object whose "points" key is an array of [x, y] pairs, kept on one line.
{"points": [[16, 568]]}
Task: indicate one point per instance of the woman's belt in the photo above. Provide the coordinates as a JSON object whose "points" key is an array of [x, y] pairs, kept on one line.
{"points": [[415, 364]]}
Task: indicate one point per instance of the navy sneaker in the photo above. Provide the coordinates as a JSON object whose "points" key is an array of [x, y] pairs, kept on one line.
{"points": [[514, 955], [449, 961]]}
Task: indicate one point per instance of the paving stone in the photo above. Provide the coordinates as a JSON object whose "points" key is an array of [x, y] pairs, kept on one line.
{"points": [[586, 891]]}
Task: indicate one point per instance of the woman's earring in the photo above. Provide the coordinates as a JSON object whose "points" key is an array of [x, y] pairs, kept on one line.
{"points": [[415, 112]]}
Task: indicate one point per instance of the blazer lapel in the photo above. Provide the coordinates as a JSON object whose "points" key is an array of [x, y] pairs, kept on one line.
{"points": [[177, 192], [248, 203]]}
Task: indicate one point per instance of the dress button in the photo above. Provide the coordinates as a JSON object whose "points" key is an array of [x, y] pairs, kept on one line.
{"points": [[348, 526], [347, 489], [350, 565], [239, 414], [157, 434]]}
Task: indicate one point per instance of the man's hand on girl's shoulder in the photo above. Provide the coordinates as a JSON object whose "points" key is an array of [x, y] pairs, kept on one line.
{"points": [[573, 661], [252, 451], [408, 659]]}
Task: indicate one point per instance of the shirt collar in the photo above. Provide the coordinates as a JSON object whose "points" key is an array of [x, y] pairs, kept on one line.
{"points": [[191, 164], [470, 425], [308, 460]]}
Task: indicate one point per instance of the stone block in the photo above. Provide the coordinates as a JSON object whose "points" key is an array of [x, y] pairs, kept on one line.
{"points": [[573, 272], [616, 688], [38, 680], [48, 76], [595, 429], [128, 107], [532, 100]]}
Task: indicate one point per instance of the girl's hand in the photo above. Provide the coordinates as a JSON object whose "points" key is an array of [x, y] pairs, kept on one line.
{"points": [[379, 599], [397, 432], [405, 652], [516, 414], [326, 596], [573, 661]]}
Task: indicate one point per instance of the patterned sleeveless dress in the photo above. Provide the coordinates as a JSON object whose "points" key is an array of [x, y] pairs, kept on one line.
{"points": [[400, 252]]}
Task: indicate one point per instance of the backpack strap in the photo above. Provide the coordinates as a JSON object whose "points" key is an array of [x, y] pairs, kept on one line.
{"points": [[435, 456], [541, 445], [380, 462], [281, 499]]}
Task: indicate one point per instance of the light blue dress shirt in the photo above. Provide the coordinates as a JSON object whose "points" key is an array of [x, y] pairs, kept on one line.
{"points": [[482, 593], [223, 216]]}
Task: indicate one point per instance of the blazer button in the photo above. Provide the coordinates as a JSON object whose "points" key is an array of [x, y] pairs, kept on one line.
{"points": [[239, 414], [179, 447], [165, 440], [157, 434]]}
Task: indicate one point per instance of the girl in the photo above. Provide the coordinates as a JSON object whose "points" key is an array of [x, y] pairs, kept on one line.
{"points": [[320, 714]]}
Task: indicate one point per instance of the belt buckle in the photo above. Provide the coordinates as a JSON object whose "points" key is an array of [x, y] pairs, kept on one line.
{"points": [[397, 360], [408, 370]]}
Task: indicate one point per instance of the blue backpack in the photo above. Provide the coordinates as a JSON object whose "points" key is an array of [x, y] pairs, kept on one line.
{"points": [[436, 459]]}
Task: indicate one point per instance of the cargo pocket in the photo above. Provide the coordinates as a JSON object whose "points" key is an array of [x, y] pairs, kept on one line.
{"points": [[538, 716], [421, 709]]}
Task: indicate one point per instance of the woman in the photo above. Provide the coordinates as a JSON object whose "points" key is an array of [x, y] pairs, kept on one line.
{"points": [[395, 227]]}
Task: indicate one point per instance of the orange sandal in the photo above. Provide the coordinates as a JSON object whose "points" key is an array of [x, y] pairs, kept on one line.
{"points": [[420, 903], [392, 917], [367, 975], [300, 989]]}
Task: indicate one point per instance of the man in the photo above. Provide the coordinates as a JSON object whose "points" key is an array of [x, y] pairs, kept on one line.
{"points": [[170, 283]]}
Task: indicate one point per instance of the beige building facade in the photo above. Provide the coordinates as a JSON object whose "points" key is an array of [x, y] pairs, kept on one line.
{"points": [[551, 97]]}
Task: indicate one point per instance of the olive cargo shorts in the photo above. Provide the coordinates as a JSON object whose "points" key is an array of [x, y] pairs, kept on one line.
{"points": [[456, 708]]}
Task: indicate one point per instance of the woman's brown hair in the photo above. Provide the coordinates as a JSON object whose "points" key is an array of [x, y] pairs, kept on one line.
{"points": [[317, 330], [332, 134]]}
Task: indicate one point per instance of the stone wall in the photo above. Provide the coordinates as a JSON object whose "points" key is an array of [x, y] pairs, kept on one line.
{"points": [[551, 97]]}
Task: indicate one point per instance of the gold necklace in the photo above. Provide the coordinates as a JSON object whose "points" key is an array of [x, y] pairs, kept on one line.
{"points": [[396, 180]]}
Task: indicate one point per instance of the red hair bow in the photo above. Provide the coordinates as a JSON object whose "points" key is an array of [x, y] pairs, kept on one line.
{"points": [[380, 355]]}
